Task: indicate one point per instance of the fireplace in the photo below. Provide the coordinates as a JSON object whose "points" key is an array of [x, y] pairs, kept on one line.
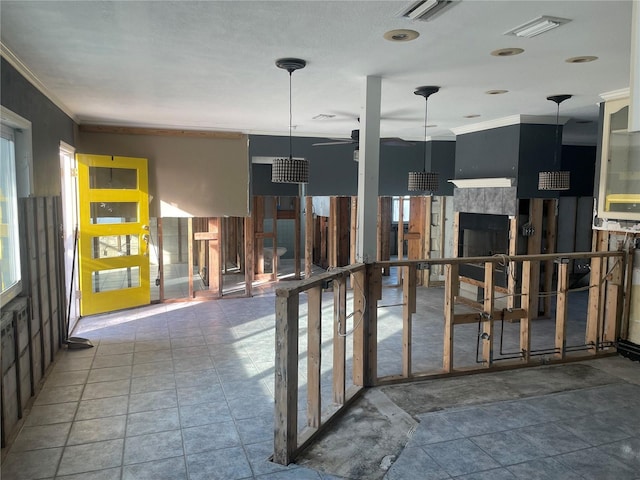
{"points": [[482, 235]]}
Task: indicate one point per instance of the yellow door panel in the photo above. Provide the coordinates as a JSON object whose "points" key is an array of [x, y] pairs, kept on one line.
{"points": [[113, 233]]}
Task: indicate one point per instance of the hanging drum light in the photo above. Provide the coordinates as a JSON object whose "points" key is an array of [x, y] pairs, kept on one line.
{"points": [[290, 170], [424, 181], [557, 179]]}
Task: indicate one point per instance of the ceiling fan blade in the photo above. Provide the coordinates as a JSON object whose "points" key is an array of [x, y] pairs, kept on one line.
{"points": [[396, 142], [338, 142]]}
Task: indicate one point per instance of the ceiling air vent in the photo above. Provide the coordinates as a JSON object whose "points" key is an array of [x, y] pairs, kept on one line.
{"points": [[425, 9]]}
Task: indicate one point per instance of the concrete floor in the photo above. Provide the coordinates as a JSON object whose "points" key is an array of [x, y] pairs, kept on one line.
{"points": [[185, 390]]}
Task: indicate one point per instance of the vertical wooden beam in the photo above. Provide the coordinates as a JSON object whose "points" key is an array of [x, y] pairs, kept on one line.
{"points": [[409, 307], [190, 255], [534, 244], [562, 304], [441, 237], [353, 236], [512, 279], [258, 225], [384, 231], [308, 236], [596, 291], [249, 264], [333, 232], [339, 338], [361, 327], [527, 302], [161, 258], [426, 238], [487, 323], [456, 235], [550, 207], [274, 241], [344, 229], [296, 234], [314, 356], [285, 439], [215, 272], [450, 291], [613, 302], [400, 252]]}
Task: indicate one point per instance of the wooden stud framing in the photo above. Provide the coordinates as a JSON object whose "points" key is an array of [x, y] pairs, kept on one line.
{"points": [[258, 225], [441, 237], [550, 207], [314, 356], [308, 236], [528, 303], [613, 302], [249, 243], [286, 379], [339, 338], [487, 324], [409, 307], [361, 328], [425, 275], [190, 255], [400, 252], [534, 244], [450, 292], [274, 239], [353, 230], [384, 231], [562, 303], [596, 290], [333, 232], [296, 237], [215, 272], [512, 279]]}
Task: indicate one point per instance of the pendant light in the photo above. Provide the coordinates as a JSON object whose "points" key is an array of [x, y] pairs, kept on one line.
{"points": [[424, 181], [290, 170], [557, 179]]}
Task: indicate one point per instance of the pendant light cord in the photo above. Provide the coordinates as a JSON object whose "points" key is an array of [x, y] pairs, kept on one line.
{"points": [[290, 118], [424, 164]]}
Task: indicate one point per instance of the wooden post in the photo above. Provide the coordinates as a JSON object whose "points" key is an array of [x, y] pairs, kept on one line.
{"points": [[258, 225], [487, 324], [512, 280], [333, 232], [296, 235], [550, 247], [409, 307], [441, 242], [314, 356], [339, 338], [190, 255], [534, 244], [384, 230], [450, 290], [248, 255], [596, 291], [562, 308], [286, 379], [353, 236], [308, 236], [361, 327], [526, 302], [426, 239], [613, 303], [400, 237]]}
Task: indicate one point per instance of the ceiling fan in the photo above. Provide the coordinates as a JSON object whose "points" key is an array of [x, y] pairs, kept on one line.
{"points": [[355, 140]]}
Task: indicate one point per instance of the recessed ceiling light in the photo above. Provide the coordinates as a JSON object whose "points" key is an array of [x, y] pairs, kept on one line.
{"points": [[401, 35], [507, 52], [472, 115], [582, 59], [496, 92], [537, 26]]}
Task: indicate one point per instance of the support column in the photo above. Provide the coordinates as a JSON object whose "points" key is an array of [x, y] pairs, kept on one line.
{"points": [[368, 171]]}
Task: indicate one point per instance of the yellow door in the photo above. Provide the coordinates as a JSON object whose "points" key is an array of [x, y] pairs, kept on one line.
{"points": [[113, 233]]}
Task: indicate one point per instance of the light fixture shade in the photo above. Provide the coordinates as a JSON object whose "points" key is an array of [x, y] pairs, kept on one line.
{"points": [[423, 181], [290, 170], [559, 180]]}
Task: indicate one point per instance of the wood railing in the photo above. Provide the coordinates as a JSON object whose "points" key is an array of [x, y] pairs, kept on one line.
{"points": [[609, 275]]}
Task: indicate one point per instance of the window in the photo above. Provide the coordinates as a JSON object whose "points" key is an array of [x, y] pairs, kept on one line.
{"points": [[396, 208], [9, 238]]}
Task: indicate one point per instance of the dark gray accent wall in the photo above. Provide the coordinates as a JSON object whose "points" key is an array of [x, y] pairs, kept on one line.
{"points": [[332, 170], [49, 124], [537, 154], [580, 160], [488, 153]]}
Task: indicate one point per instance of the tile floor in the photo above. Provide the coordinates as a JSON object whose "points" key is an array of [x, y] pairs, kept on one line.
{"points": [[185, 390]]}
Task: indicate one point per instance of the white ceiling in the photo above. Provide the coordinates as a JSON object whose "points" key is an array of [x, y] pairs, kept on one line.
{"points": [[210, 65]]}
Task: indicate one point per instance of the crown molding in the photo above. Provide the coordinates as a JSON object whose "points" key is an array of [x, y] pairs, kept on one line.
{"points": [[510, 120], [615, 94], [15, 62]]}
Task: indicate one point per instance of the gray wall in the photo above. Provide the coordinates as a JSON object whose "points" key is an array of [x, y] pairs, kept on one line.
{"points": [[50, 125], [332, 170]]}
